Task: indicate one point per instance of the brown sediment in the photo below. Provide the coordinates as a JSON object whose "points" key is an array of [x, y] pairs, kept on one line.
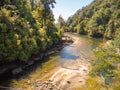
{"points": [[67, 78]]}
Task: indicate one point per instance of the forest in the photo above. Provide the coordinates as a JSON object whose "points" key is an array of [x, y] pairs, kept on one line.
{"points": [[26, 28], [99, 19]]}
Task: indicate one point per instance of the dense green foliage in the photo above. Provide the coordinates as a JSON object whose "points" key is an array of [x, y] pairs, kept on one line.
{"points": [[61, 24], [99, 19], [26, 28], [106, 67]]}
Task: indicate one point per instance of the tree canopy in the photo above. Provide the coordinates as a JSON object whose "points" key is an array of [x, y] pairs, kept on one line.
{"points": [[26, 28], [99, 19]]}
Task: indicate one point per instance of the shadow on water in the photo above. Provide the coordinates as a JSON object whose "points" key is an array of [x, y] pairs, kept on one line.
{"points": [[81, 50], [68, 59], [68, 56]]}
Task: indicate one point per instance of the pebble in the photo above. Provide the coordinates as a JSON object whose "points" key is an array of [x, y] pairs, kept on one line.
{"points": [[68, 82]]}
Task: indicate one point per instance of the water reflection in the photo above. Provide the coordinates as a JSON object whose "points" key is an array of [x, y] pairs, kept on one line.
{"points": [[67, 55], [78, 51]]}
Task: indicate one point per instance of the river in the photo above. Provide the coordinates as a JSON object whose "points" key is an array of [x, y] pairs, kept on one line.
{"points": [[67, 69]]}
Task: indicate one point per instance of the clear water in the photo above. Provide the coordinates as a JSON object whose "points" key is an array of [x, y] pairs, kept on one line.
{"points": [[81, 50], [68, 57]]}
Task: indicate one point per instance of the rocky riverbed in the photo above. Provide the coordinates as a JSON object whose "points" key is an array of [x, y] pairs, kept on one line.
{"points": [[66, 69], [70, 75]]}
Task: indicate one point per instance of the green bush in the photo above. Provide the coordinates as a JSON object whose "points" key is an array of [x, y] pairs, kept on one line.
{"points": [[107, 65]]}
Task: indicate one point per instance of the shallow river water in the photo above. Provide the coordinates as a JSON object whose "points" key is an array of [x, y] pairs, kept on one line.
{"points": [[66, 69]]}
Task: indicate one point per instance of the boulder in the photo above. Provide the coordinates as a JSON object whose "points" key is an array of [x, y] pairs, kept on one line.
{"points": [[36, 59], [16, 71], [30, 62]]}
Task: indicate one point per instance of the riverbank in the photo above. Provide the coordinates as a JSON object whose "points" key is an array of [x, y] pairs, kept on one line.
{"points": [[64, 70], [18, 66], [23, 69], [67, 78]]}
